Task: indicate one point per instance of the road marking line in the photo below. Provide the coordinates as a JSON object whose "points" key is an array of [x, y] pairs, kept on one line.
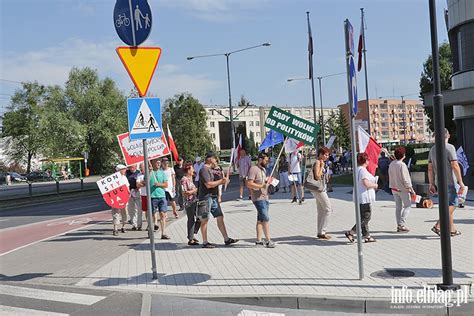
{"points": [[82, 207], [40, 294], [9, 310]]}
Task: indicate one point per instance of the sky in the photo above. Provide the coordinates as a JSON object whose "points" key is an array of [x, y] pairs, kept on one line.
{"points": [[42, 40]]}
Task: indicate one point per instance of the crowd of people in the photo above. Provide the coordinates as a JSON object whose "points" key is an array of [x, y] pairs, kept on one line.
{"points": [[196, 188]]}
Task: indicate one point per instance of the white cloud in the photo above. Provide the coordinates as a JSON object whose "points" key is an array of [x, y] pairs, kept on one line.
{"points": [[51, 66]]}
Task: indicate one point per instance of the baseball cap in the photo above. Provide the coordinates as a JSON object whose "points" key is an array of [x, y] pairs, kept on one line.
{"points": [[198, 159], [120, 167], [164, 159], [210, 154]]}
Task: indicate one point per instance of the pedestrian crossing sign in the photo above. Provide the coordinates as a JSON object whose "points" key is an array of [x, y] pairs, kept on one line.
{"points": [[144, 118]]}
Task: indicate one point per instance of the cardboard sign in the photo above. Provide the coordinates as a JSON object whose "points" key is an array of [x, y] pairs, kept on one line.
{"points": [[292, 126], [114, 190], [132, 150]]}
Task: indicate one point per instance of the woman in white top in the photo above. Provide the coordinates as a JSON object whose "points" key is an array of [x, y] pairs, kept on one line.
{"points": [[366, 186]]}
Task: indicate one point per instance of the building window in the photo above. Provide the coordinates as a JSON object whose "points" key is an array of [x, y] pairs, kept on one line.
{"points": [[250, 113], [211, 124], [251, 123], [257, 123], [213, 136]]}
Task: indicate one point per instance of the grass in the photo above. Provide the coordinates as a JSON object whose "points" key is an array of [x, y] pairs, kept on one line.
{"points": [[344, 179]]}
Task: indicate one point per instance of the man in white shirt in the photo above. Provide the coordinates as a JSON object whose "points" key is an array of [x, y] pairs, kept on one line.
{"points": [[294, 172]]}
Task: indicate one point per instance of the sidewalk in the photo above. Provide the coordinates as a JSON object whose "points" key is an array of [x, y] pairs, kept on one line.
{"points": [[300, 266]]}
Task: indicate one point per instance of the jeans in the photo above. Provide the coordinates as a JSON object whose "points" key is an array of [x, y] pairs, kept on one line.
{"points": [[193, 222], [365, 214], [262, 210]]}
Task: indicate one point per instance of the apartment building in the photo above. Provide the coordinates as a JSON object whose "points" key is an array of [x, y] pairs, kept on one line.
{"points": [[251, 121], [392, 121]]}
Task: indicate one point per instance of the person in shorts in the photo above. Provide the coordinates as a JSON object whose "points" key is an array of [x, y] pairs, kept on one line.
{"points": [[158, 184], [258, 187], [170, 190], [208, 191], [294, 171], [243, 164]]}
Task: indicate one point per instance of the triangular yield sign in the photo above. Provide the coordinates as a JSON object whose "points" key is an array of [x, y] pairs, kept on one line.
{"points": [[140, 63], [145, 120]]}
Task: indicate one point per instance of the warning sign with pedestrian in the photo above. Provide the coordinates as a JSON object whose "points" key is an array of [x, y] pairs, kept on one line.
{"points": [[144, 118]]}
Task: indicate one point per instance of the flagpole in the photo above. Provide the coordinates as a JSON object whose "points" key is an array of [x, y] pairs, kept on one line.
{"points": [[311, 76], [365, 68]]}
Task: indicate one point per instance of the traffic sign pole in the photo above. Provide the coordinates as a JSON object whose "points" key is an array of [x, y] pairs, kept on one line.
{"points": [[151, 234]]}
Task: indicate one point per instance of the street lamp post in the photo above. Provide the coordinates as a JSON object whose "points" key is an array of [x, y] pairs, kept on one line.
{"points": [[320, 100], [227, 55]]}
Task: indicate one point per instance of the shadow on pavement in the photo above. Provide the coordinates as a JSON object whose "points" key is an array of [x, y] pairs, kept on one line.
{"points": [[22, 277], [170, 279]]}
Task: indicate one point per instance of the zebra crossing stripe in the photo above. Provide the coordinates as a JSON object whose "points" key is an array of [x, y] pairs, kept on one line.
{"points": [[9, 310], [65, 297]]}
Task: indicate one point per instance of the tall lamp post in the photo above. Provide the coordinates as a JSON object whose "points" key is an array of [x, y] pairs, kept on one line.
{"points": [[320, 100], [227, 55]]}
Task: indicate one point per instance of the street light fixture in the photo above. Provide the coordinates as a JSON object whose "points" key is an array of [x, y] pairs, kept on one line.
{"points": [[320, 99], [227, 55]]}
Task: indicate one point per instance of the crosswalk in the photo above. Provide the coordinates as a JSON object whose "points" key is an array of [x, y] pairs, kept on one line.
{"points": [[41, 300]]}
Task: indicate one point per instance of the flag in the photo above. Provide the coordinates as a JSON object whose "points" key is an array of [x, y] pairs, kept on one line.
{"points": [[292, 145], [273, 138], [361, 46], [172, 145], [462, 160], [368, 145], [239, 147], [310, 50]]}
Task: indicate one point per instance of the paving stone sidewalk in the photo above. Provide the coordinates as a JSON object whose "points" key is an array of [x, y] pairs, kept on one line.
{"points": [[300, 265]]}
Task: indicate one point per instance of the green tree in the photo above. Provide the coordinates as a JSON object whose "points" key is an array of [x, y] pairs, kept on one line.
{"points": [[341, 130], [252, 148], [187, 120], [243, 102], [426, 84], [21, 123], [100, 108]]}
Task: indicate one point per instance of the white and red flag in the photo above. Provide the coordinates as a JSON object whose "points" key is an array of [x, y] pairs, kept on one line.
{"points": [[292, 145], [239, 147], [368, 145], [172, 145]]}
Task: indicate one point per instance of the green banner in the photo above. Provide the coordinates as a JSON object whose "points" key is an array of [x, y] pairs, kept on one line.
{"points": [[292, 126]]}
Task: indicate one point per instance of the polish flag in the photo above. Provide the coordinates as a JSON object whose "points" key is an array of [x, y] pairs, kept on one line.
{"points": [[172, 145], [239, 147], [368, 145], [292, 145], [360, 47]]}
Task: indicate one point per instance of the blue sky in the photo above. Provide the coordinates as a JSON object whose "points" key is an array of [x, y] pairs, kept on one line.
{"points": [[42, 40]]}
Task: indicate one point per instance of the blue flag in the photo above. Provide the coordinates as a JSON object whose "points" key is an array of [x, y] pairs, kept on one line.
{"points": [[462, 160], [273, 138]]}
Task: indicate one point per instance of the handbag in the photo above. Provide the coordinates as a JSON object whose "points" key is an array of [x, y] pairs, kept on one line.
{"points": [[311, 183]]}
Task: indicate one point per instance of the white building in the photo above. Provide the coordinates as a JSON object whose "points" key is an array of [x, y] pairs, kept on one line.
{"points": [[252, 120]]}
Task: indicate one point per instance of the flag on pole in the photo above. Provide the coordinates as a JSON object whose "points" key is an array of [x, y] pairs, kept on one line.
{"points": [[292, 145], [172, 145], [368, 145], [310, 49], [239, 147], [361, 46], [273, 138], [462, 160]]}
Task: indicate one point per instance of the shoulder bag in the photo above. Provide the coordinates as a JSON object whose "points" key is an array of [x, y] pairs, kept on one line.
{"points": [[311, 183]]}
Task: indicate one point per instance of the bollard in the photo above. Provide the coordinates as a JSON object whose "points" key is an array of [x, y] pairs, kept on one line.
{"points": [[30, 188], [82, 185], [57, 186]]}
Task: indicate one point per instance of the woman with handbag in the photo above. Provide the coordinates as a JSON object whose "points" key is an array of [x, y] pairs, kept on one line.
{"points": [[190, 201], [318, 187]]}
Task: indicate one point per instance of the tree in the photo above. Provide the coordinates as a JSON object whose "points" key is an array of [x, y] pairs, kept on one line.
{"points": [[341, 130], [21, 123], [426, 85], [186, 118], [243, 102], [100, 108], [252, 147]]}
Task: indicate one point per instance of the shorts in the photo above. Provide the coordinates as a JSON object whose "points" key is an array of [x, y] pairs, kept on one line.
{"points": [[214, 207], [169, 198], [159, 205], [262, 210], [296, 177], [144, 203], [243, 180], [452, 196]]}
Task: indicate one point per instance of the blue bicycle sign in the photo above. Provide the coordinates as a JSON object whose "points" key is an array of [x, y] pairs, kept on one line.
{"points": [[132, 20]]}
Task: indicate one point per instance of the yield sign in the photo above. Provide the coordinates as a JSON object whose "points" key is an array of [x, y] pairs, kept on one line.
{"points": [[140, 63]]}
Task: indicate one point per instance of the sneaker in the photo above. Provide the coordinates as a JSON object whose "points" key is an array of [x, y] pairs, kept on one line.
{"points": [[155, 228], [239, 199], [115, 232], [139, 228], [250, 197], [270, 244], [402, 229], [165, 237], [230, 241], [134, 228], [302, 199], [123, 230], [208, 245], [294, 200], [259, 243], [324, 237]]}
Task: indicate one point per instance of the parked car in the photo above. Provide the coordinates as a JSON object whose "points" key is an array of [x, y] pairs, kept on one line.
{"points": [[38, 176], [17, 177]]}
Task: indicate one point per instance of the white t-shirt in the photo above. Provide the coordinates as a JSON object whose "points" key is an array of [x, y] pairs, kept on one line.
{"points": [[197, 167], [294, 163], [141, 178], [170, 175], [365, 195]]}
